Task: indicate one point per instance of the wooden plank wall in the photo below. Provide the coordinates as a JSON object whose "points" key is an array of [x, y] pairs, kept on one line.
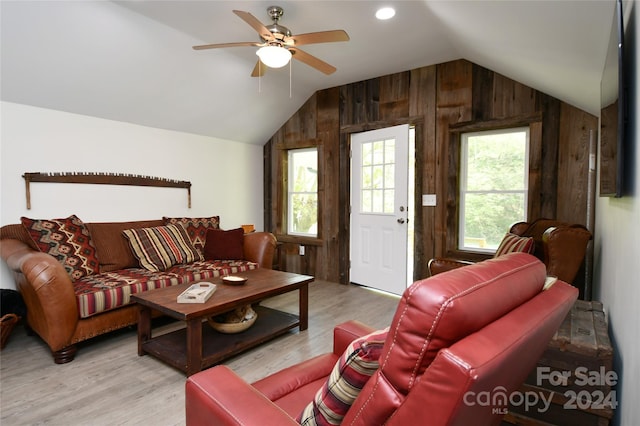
{"points": [[435, 99]]}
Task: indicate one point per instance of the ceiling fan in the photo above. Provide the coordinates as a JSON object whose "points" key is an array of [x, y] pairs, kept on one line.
{"points": [[278, 45]]}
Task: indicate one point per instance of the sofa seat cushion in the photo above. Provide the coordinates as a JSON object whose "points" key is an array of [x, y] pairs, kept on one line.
{"points": [[206, 269], [110, 290]]}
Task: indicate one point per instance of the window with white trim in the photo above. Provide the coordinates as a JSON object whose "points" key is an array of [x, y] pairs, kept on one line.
{"points": [[494, 180], [302, 192]]}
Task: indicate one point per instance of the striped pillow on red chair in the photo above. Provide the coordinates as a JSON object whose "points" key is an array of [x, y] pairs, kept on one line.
{"points": [[512, 243]]}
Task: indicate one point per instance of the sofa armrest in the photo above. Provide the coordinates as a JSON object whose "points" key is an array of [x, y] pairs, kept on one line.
{"points": [[440, 264], [235, 402], [46, 288], [260, 247], [347, 332]]}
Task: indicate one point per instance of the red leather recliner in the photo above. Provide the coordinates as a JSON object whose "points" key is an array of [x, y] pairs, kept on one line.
{"points": [[476, 329]]}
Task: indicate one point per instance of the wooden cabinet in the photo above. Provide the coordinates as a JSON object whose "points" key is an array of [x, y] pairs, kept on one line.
{"points": [[575, 374]]}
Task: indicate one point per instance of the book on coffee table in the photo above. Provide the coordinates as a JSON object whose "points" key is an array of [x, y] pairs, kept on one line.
{"points": [[197, 293]]}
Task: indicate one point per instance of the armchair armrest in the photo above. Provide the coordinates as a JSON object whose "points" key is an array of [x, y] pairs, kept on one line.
{"points": [[439, 264], [290, 379], [260, 247], [234, 403], [564, 250]]}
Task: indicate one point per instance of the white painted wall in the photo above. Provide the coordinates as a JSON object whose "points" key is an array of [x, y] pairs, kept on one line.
{"points": [[617, 252], [226, 176]]}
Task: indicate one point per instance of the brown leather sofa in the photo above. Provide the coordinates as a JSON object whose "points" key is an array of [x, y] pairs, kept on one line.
{"points": [[459, 344], [48, 291], [561, 246]]}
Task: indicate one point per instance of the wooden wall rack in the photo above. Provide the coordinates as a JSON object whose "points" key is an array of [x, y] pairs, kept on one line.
{"points": [[104, 179]]}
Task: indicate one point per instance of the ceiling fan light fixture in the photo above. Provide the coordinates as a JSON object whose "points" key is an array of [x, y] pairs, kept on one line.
{"points": [[274, 56]]}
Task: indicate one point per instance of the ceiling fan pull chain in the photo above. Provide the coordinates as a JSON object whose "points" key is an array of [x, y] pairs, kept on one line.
{"points": [[290, 70], [259, 77]]}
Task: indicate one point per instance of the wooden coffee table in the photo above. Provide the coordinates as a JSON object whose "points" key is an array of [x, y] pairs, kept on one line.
{"points": [[196, 347]]}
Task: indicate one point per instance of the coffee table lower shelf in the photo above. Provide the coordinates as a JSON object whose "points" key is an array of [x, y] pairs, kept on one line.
{"points": [[172, 348]]}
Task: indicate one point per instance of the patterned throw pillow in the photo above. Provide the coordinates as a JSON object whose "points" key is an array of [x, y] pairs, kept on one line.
{"points": [[68, 240], [512, 243], [161, 247], [224, 245], [196, 227], [352, 371]]}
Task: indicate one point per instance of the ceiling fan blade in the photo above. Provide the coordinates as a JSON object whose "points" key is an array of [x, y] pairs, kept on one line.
{"points": [[319, 37], [219, 45], [258, 70], [312, 61], [255, 24]]}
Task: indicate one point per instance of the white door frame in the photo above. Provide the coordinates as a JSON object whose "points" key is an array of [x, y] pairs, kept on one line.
{"points": [[379, 208]]}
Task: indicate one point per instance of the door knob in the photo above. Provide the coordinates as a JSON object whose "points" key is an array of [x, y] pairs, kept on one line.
{"points": [[400, 221]]}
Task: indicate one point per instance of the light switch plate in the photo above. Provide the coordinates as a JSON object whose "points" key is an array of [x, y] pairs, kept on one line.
{"points": [[428, 199]]}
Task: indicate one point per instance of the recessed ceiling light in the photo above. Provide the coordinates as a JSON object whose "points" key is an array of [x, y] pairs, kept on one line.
{"points": [[385, 13]]}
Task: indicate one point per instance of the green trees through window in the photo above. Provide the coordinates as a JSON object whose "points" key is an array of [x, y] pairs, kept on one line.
{"points": [[302, 203], [493, 186]]}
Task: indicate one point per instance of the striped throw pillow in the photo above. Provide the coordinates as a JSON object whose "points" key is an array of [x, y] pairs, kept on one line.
{"points": [[512, 243], [161, 247], [352, 371]]}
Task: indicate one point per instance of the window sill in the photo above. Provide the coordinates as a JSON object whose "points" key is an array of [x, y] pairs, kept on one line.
{"points": [[296, 239]]}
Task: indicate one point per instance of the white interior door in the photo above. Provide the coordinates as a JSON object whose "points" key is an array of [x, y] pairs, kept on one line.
{"points": [[379, 211]]}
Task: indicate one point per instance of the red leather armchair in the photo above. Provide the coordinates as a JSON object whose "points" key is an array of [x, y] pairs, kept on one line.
{"points": [[471, 330], [561, 246]]}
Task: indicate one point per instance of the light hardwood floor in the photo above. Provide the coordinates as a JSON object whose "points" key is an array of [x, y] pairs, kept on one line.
{"points": [[109, 384]]}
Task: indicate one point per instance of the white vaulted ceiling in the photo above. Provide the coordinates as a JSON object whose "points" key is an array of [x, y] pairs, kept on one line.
{"points": [[133, 61]]}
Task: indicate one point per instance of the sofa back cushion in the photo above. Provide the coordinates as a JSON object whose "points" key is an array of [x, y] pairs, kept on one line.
{"points": [[114, 251], [15, 231]]}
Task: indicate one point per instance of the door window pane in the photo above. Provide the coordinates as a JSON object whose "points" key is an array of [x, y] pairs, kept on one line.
{"points": [[378, 177]]}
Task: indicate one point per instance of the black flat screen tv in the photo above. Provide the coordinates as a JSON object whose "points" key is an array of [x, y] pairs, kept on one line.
{"points": [[613, 114]]}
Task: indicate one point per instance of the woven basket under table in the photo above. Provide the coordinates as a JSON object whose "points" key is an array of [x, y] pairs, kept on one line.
{"points": [[7, 322]]}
